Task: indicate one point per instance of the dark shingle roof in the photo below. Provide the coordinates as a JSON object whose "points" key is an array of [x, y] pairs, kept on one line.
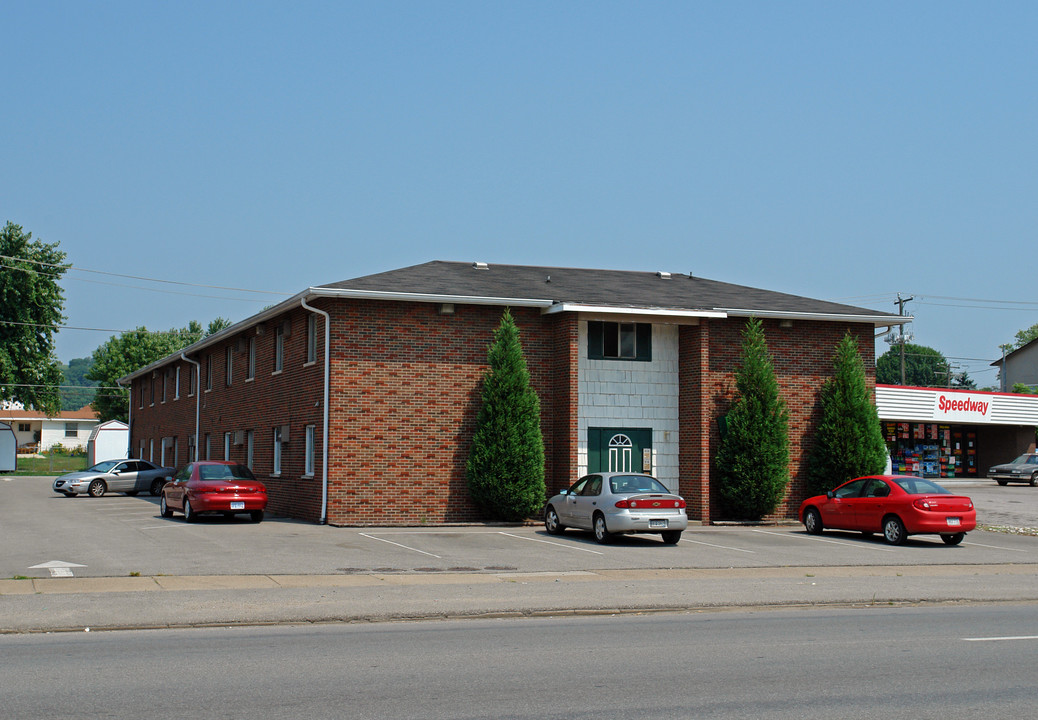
{"points": [[612, 288]]}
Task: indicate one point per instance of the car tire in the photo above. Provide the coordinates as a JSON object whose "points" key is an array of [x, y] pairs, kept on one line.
{"points": [[813, 522], [164, 510], [189, 514], [132, 493], [894, 530], [551, 522], [1034, 480], [953, 539], [97, 488], [68, 494], [156, 486], [671, 537], [256, 516], [1002, 482], [602, 534]]}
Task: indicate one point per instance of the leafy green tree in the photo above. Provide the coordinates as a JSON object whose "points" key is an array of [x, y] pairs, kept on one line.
{"points": [[78, 391], [849, 441], [506, 463], [753, 459], [924, 367], [31, 304], [1025, 336], [130, 351]]}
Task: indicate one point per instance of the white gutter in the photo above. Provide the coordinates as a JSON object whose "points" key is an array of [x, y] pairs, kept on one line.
{"points": [[327, 385], [427, 297], [198, 398], [616, 310], [824, 317]]}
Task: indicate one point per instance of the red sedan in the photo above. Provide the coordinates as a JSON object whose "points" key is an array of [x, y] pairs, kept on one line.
{"points": [[211, 486], [895, 505]]}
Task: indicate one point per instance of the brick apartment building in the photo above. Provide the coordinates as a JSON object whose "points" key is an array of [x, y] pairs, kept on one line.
{"points": [[355, 402]]}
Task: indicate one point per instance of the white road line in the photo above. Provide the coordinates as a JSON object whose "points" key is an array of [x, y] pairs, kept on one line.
{"points": [[818, 539], [405, 547], [723, 547], [549, 542], [995, 547], [999, 639]]}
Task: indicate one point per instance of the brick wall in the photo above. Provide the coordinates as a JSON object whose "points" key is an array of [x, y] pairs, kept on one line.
{"points": [[803, 360]]}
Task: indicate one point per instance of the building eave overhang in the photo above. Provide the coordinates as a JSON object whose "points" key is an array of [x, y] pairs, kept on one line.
{"points": [[882, 320], [619, 310]]}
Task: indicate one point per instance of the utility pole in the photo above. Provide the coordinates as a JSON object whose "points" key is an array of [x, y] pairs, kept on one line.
{"points": [[900, 302]]}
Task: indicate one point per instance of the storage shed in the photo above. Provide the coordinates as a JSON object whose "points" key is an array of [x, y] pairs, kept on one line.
{"points": [[108, 441], [8, 449]]}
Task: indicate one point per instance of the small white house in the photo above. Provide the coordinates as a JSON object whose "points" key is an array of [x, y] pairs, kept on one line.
{"points": [[108, 441], [38, 432], [8, 449]]}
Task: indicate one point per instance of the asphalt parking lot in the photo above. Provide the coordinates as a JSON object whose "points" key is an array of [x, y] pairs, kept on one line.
{"points": [[43, 534]]}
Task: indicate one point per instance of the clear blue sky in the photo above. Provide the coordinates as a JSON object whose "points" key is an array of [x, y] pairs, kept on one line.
{"points": [[834, 150]]}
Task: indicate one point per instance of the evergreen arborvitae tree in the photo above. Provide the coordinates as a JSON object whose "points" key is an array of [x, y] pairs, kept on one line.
{"points": [[506, 463], [753, 460], [849, 441]]}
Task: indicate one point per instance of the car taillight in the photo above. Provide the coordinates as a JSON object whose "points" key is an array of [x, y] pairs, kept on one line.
{"points": [[924, 504], [649, 504]]}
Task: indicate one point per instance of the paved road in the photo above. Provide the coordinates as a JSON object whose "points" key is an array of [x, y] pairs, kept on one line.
{"points": [[132, 568], [947, 662]]}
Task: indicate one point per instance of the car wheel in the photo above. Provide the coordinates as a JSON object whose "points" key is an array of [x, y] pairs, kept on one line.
{"points": [[1002, 482], [189, 514], [164, 510], [953, 539], [812, 521], [551, 522], [97, 488], [131, 493], [602, 534], [1034, 479], [671, 537], [256, 516], [156, 486], [894, 530]]}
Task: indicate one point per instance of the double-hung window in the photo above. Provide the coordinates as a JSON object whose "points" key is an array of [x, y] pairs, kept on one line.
{"points": [[252, 359], [311, 338], [619, 341], [229, 379], [308, 469], [279, 348]]}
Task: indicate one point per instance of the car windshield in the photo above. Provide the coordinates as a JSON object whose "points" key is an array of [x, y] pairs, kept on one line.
{"points": [[629, 484], [1026, 460], [918, 486], [104, 466], [225, 472]]}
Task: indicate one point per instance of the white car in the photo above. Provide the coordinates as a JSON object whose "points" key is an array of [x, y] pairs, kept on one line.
{"points": [[615, 502], [126, 476]]}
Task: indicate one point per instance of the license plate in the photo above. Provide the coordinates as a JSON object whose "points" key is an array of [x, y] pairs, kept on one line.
{"points": [[657, 523], [954, 521], [237, 506]]}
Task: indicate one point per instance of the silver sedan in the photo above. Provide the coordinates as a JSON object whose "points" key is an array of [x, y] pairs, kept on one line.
{"points": [[127, 476], [615, 503]]}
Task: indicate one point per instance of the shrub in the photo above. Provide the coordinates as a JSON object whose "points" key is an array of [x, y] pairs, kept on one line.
{"points": [[753, 459], [505, 469]]}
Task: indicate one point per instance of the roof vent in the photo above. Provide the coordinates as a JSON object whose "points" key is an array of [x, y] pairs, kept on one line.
{"points": [[480, 266], [663, 275]]}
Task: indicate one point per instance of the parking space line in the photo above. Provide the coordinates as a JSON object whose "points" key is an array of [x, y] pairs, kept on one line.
{"points": [[723, 547], [405, 547], [818, 539], [549, 542], [996, 547]]}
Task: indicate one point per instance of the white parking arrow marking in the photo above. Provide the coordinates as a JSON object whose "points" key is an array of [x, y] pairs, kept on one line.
{"points": [[58, 568]]}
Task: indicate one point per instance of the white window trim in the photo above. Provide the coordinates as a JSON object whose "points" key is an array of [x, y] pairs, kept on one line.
{"points": [[308, 470]]}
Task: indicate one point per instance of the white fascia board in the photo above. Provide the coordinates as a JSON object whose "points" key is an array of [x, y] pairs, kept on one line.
{"points": [[877, 320], [426, 297], [614, 310]]}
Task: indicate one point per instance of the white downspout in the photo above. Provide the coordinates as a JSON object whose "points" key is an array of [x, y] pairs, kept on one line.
{"points": [[327, 384], [198, 398]]}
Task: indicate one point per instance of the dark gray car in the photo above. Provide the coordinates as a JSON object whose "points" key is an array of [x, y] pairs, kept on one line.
{"points": [[127, 476], [1023, 469]]}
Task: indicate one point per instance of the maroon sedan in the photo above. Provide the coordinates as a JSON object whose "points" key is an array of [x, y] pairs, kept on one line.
{"points": [[895, 505], [214, 486]]}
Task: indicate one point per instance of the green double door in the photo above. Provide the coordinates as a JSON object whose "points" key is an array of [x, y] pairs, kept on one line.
{"points": [[619, 450]]}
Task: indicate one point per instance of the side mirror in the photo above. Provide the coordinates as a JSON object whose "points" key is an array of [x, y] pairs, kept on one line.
{"points": [[830, 495], [564, 492]]}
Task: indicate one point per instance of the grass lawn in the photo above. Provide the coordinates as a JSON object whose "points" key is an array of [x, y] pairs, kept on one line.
{"points": [[49, 464]]}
